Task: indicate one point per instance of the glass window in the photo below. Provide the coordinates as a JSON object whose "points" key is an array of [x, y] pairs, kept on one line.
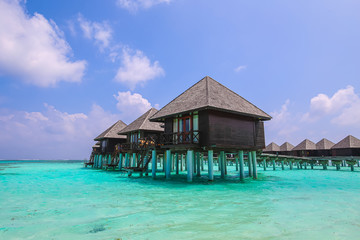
{"points": [[195, 122]]}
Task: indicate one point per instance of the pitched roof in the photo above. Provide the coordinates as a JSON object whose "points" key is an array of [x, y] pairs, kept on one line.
{"points": [[272, 147], [286, 146], [324, 144], [305, 145], [112, 131], [348, 142], [209, 94], [143, 123]]}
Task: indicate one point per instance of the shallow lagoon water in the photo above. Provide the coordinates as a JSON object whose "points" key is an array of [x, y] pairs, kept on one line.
{"points": [[63, 200]]}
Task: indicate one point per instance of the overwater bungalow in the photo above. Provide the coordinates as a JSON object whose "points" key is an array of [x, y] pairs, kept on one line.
{"points": [[209, 118], [323, 147], [285, 149], [305, 149], [141, 139], [109, 138], [272, 148], [349, 146]]}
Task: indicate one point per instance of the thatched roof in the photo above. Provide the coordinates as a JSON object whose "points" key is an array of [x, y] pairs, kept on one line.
{"points": [[143, 123], [272, 147], [209, 94], [112, 131], [348, 142], [324, 144], [286, 147], [305, 145]]}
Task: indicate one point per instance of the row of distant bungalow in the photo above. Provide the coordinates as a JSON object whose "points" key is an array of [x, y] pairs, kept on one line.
{"points": [[208, 120], [349, 146]]}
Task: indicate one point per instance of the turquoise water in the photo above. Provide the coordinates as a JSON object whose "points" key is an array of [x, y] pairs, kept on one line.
{"points": [[66, 201]]}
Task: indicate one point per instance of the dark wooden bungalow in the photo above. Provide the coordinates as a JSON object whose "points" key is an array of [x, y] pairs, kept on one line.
{"points": [[285, 149], [97, 147], [210, 116], [141, 130], [349, 146], [272, 148], [304, 149], [109, 138], [323, 147]]}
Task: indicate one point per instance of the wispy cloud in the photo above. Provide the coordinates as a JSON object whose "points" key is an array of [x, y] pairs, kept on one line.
{"points": [[240, 68], [34, 49], [134, 5], [100, 32], [137, 69]]}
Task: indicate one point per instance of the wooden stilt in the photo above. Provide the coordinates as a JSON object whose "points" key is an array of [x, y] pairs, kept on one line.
{"points": [[168, 164], [222, 164], [264, 163], [254, 165], [282, 165], [250, 164], [274, 164], [237, 163], [153, 164], [189, 161], [121, 159], [177, 163], [198, 166], [241, 165], [211, 165], [202, 161], [291, 165]]}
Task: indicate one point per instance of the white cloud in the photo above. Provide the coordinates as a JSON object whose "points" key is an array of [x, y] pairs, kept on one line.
{"points": [[34, 49], [343, 107], [240, 68], [134, 5], [137, 69], [130, 105], [51, 133], [101, 33]]}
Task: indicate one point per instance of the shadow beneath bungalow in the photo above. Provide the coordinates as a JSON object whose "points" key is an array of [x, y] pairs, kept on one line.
{"points": [[181, 180]]}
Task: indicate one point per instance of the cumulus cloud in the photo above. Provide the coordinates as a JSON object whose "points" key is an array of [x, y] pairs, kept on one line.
{"points": [[343, 107], [101, 33], [33, 49], [51, 132], [137, 69], [240, 68], [134, 5], [131, 106]]}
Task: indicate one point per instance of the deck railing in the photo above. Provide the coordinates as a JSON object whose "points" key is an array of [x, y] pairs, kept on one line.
{"points": [[192, 137], [141, 145]]}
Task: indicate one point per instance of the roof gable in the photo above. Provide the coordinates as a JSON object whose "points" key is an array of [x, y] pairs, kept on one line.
{"points": [[305, 145], [348, 142], [112, 131], [324, 144], [209, 94], [143, 123], [286, 146]]}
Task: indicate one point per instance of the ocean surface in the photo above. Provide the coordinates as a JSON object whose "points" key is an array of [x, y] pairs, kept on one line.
{"points": [[64, 200]]}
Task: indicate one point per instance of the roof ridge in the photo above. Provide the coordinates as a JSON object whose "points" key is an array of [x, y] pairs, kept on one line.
{"points": [[148, 112]]}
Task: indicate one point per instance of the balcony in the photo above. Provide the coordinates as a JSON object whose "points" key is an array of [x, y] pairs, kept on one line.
{"points": [[142, 144], [192, 137]]}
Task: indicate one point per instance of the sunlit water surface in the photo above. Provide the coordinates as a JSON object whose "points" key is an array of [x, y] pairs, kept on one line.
{"points": [[63, 200]]}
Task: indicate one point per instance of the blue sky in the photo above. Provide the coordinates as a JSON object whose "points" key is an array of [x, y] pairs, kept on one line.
{"points": [[69, 69]]}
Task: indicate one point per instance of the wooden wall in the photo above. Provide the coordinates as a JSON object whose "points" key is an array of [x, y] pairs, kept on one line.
{"points": [[226, 129]]}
